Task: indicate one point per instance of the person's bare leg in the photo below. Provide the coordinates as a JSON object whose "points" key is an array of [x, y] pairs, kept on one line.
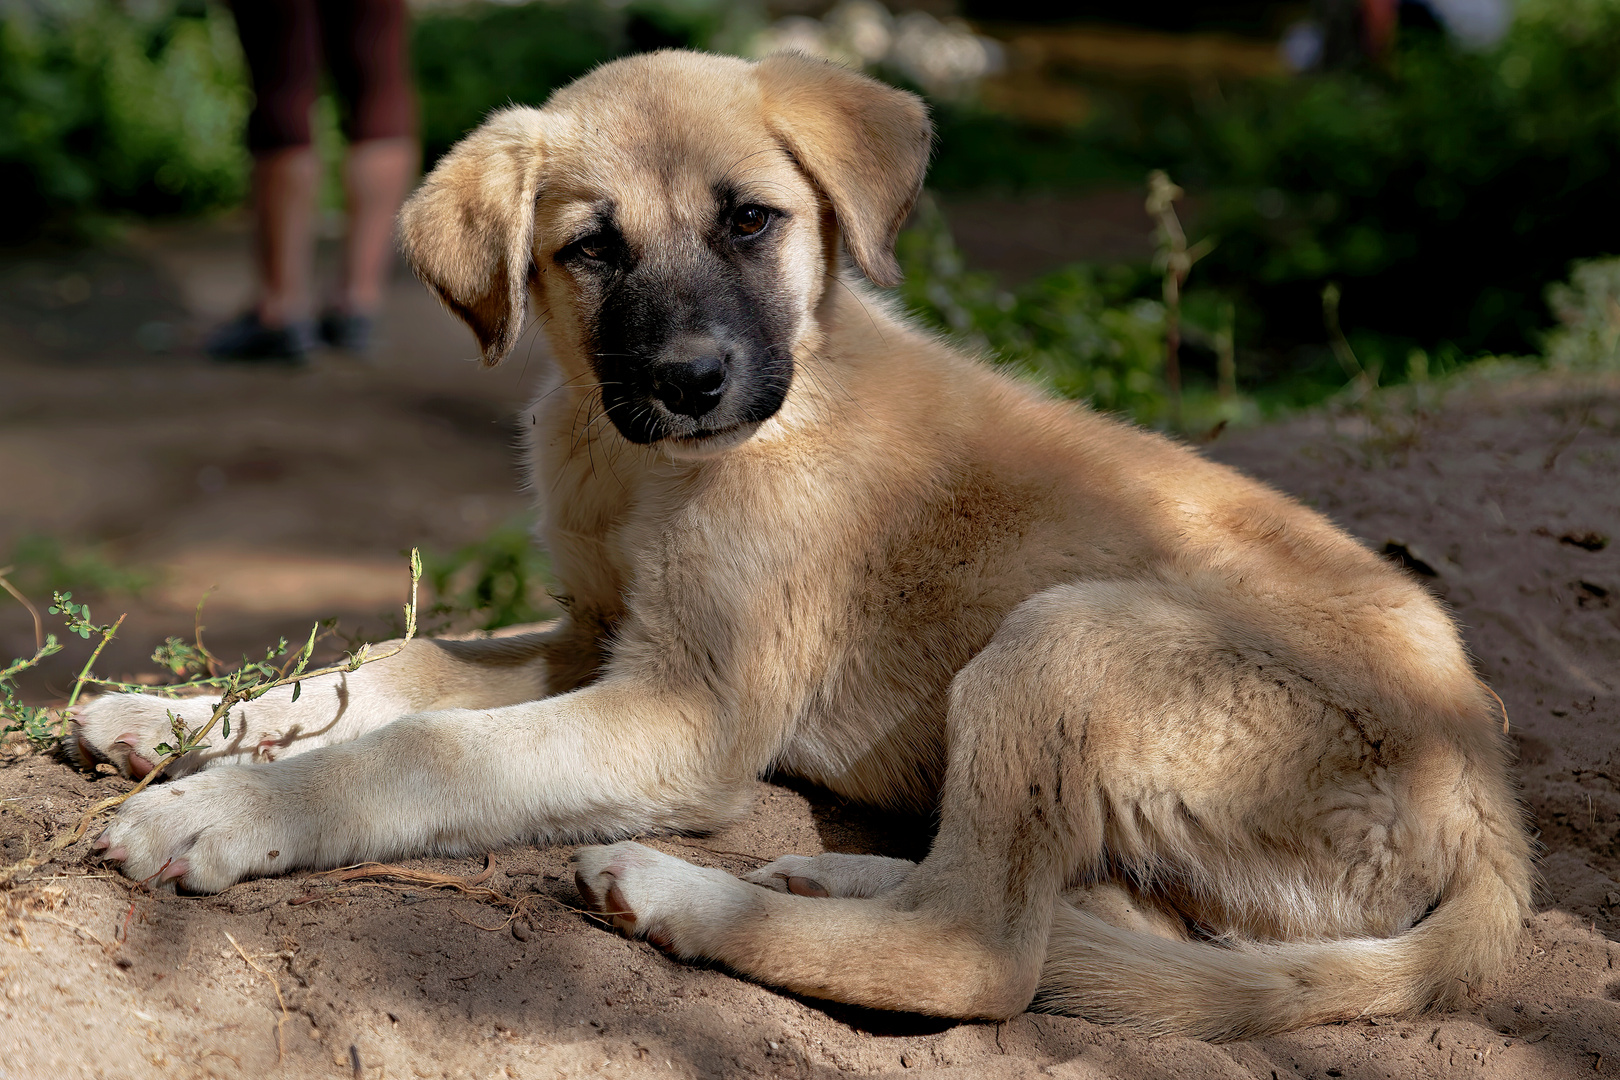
{"points": [[284, 187], [376, 175]]}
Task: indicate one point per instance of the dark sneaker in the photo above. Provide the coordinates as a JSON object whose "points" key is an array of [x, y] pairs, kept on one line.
{"points": [[247, 339], [351, 333]]}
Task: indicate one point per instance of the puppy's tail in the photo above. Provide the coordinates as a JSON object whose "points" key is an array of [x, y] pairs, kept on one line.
{"points": [[1159, 986]]}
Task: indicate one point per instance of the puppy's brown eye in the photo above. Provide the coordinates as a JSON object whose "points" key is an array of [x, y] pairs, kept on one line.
{"points": [[748, 220], [594, 247]]}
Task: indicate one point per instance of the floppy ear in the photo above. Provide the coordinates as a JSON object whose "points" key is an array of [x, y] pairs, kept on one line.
{"points": [[865, 145], [467, 231]]}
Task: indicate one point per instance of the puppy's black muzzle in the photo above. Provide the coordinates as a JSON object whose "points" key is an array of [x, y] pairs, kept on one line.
{"points": [[688, 350]]}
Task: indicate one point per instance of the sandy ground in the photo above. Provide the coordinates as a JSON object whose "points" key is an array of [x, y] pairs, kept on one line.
{"points": [[295, 492]]}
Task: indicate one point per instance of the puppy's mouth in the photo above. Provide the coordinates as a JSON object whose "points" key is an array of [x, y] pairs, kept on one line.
{"points": [[709, 443], [646, 424]]}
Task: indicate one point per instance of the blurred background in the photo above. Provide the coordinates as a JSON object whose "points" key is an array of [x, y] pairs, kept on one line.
{"points": [[1373, 192]]}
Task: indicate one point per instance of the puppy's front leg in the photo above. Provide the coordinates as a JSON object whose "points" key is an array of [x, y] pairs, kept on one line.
{"points": [[610, 760], [410, 677]]}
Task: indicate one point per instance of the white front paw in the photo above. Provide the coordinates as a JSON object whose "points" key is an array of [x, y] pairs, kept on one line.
{"points": [[205, 832], [126, 729], [670, 902]]}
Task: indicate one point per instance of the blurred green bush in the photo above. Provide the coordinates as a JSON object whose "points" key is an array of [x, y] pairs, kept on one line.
{"points": [[39, 565], [1443, 196], [111, 108], [1588, 311], [475, 57], [1441, 193], [1087, 332], [105, 110]]}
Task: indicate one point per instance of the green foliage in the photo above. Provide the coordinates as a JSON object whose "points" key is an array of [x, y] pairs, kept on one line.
{"points": [[37, 724], [42, 564], [193, 664], [109, 108], [103, 110], [1588, 311], [1441, 193], [181, 659], [76, 616], [1088, 333], [473, 58], [497, 581], [1098, 334]]}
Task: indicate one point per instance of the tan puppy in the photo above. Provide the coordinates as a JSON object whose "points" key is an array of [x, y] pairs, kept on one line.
{"points": [[1202, 763]]}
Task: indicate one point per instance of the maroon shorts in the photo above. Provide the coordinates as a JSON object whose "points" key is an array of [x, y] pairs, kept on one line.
{"points": [[365, 47]]}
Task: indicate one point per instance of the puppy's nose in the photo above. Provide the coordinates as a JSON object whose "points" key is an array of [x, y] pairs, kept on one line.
{"points": [[692, 387]]}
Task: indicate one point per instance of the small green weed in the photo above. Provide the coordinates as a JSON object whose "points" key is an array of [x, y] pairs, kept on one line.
{"points": [[1588, 311], [497, 581], [43, 726]]}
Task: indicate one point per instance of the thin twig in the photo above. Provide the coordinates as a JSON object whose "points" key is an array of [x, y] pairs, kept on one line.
{"points": [[75, 927], [471, 886], [39, 625], [1177, 259], [1500, 704], [84, 672], [1548, 463], [369, 873], [478, 926], [274, 983], [762, 860], [197, 628]]}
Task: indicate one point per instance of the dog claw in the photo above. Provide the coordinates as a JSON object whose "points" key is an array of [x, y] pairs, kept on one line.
{"points": [[175, 868], [586, 893], [610, 902], [139, 766], [617, 908]]}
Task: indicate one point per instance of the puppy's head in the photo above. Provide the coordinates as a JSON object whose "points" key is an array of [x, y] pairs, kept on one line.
{"points": [[676, 217]]}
